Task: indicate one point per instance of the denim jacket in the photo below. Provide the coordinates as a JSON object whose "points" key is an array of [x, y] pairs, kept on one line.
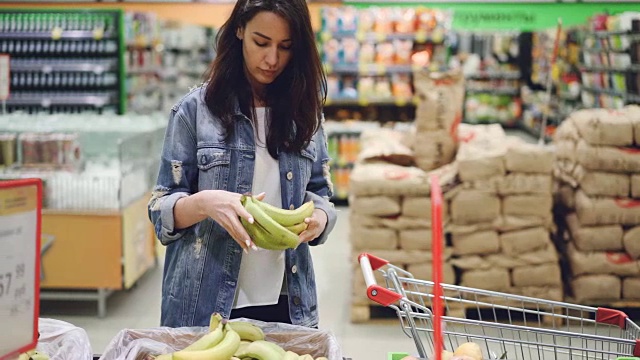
{"points": [[203, 262]]}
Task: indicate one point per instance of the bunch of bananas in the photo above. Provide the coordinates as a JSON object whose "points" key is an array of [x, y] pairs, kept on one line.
{"points": [[274, 228], [236, 340], [33, 355]]}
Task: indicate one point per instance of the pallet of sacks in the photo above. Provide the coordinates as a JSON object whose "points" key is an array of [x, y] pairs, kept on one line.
{"points": [[390, 212], [501, 215], [598, 168]]}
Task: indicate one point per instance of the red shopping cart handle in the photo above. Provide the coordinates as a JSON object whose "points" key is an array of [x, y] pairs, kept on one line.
{"points": [[375, 292], [382, 296], [376, 262], [611, 317]]}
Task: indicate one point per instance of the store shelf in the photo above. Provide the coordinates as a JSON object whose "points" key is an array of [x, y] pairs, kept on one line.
{"points": [[627, 97], [66, 66], [494, 91], [419, 37], [606, 51], [634, 68], [568, 97], [369, 69], [602, 33], [59, 35], [374, 101], [514, 75], [97, 100]]}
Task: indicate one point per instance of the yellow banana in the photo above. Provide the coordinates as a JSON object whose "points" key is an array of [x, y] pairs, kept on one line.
{"points": [[277, 348], [260, 236], [287, 217], [279, 236], [305, 357], [290, 355], [261, 350], [223, 351], [246, 330], [215, 320], [242, 347], [208, 341], [297, 228], [37, 355]]}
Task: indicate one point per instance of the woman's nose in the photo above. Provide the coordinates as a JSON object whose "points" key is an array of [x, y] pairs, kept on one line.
{"points": [[272, 57]]}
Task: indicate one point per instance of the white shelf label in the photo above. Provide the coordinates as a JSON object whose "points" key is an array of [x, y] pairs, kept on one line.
{"points": [[19, 265], [5, 83]]}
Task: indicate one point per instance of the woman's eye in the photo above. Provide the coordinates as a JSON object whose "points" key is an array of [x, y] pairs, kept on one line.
{"points": [[288, 47], [261, 44]]}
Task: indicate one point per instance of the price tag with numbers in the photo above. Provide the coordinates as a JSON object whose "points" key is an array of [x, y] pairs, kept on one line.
{"points": [[20, 216]]}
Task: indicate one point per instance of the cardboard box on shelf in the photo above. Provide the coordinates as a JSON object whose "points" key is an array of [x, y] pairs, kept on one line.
{"points": [[619, 263], [484, 242], [589, 288], [606, 211], [524, 241], [537, 275], [375, 205], [631, 242], [594, 238]]}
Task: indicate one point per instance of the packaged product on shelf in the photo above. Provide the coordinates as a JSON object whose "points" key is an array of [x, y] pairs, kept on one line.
{"points": [[374, 239], [401, 86], [631, 288], [441, 96], [331, 51], [384, 145], [537, 205], [367, 88], [538, 275], [477, 243], [493, 279], [595, 238], [330, 16], [375, 205], [596, 288], [404, 20], [595, 183], [333, 86], [367, 53], [604, 127], [366, 20], [349, 88], [528, 158], [425, 272], [403, 50], [382, 88], [605, 211], [350, 51], [7, 149], [481, 152], [618, 263], [608, 158], [523, 241], [631, 242], [474, 206], [383, 20], [348, 19], [385, 53]]}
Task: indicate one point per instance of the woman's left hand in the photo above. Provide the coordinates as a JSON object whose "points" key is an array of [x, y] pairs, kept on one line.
{"points": [[315, 226]]}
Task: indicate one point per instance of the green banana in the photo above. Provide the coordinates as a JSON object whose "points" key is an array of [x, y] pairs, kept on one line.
{"points": [[242, 347], [247, 330], [287, 217], [223, 351], [277, 348], [290, 355], [208, 341], [297, 228], [261, 350], [260, 236], [214, 321], [278, 235]]}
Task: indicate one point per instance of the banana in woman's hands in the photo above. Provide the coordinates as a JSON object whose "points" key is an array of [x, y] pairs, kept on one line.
{"points": [[274, 228]]}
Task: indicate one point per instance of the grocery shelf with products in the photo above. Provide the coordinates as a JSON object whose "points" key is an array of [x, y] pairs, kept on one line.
{"points": [[370, 53], [63, 60]]}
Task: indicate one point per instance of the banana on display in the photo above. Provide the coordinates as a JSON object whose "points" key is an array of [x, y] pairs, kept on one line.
{"points": [[33, 355], [274, 228], [231, 340]]}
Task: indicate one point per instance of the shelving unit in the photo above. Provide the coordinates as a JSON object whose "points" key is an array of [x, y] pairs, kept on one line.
{"points": [[66, 61]]}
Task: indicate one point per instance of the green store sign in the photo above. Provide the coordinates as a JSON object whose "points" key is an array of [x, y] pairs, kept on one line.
{"points": [[516, 16]]}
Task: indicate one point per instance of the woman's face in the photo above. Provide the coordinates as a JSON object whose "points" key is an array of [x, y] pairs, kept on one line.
{"points": [[266, 48]]}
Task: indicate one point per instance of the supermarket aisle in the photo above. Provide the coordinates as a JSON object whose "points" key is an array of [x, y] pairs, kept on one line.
{"points": [[140, 307]]}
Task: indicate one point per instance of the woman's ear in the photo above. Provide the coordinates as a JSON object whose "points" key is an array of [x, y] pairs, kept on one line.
{"points": [[240, 33]]}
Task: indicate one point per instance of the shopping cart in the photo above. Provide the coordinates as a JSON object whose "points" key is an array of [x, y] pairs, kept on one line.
{"points": [[506, 326]]}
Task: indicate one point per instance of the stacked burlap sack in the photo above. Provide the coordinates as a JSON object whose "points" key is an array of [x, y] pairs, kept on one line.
{"points": [[501, 215], [390, 209], [598, 168]]}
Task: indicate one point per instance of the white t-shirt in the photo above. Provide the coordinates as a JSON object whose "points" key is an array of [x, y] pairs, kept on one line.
{"points": [[262, 271]]}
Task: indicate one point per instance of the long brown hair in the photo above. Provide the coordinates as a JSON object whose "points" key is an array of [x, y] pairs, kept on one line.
{"points": [[295, 98]]}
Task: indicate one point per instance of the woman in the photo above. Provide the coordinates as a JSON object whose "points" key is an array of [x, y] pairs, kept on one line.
{"points": [[254, 127]]}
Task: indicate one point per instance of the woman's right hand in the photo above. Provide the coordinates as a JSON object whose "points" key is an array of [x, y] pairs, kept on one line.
{"points": [[225, 208]]}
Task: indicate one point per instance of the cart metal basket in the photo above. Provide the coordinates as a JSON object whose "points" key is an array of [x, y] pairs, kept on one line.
{"points": [[510, 327]]}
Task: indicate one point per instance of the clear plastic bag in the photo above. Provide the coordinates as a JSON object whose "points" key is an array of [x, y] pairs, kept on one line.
{"points": [[63, 341], [143, 344]]}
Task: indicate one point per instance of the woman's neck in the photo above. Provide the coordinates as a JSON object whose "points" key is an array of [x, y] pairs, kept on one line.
{"points": [[257, 91]]}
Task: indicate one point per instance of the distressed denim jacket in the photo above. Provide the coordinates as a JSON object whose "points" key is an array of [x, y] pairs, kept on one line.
{"points": [[203, 262]]}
